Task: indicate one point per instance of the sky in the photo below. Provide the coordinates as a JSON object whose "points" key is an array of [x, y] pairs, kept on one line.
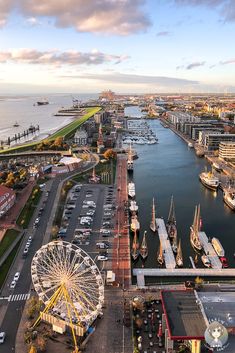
{"points": [[128, 46]]}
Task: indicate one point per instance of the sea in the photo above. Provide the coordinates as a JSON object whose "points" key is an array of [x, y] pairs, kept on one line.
{"points": [[172, 168], [24, 110]]}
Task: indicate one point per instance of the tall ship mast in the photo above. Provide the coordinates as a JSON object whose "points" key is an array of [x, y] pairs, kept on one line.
{"points": [[153, 221], [194, 229], [160, 257], [171, 226], [135, 248], [144, 247], [179, 256]]}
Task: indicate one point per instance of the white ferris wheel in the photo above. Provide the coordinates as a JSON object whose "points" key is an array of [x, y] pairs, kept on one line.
{"points": [[68, 282]]}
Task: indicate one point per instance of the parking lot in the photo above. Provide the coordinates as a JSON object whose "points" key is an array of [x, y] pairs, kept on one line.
{"points": [[88, 221]]}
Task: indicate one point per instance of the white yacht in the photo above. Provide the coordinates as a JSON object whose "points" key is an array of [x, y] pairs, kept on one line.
{"points": [[229, 198], [209, 180], [131, 189]]}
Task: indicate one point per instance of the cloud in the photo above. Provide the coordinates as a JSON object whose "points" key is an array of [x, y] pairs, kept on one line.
{"points": [[163, 34], [5, 8], [191, 66], [226, 7], [56, 58], [135, 79], [119, 17], [226, 62], [195, 64]]}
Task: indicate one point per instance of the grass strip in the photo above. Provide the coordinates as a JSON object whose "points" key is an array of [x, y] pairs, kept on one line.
{"points": [[7, 264], [8, 239]]}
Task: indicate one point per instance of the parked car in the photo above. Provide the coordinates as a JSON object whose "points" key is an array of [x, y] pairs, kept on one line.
{"points": [[16, 277], [25, 252], [102, 258], [13, 284], [2, 337]]}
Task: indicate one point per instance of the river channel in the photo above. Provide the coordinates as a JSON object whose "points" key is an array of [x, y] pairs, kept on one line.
{"points": [[171, 168]]}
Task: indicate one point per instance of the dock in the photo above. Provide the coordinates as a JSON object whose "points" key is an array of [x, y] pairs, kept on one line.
{"points": [[209, 251], [166, 245], [180, 272]]}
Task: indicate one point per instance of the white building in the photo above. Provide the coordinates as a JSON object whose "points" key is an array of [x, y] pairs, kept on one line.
{"points": [[176, 117], [80, 137], [227, 150]]}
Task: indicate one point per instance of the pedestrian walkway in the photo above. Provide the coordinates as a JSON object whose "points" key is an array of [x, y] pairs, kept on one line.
{"points": [[18, 297]]}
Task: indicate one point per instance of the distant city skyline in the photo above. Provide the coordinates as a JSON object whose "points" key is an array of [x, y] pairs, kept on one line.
{"points": [[128, 46]]}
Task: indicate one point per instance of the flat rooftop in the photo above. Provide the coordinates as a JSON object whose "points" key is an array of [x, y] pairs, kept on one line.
{"points": [[220, 305], [183, 314]]}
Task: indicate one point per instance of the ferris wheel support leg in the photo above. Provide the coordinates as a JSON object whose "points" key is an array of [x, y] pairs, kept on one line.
{"points": [[66, 295], [53, 300]]}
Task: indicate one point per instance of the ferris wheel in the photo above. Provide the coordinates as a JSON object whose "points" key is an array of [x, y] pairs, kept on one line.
{"points": [[68, 282]]}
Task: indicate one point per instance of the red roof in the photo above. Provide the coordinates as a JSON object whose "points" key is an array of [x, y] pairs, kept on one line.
{"points": [[5, 193]]}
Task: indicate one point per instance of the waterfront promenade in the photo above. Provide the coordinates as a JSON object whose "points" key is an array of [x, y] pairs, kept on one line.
{"points": [[121, 263]]}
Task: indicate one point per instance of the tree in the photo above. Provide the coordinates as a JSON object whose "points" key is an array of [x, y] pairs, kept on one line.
{"points": [[32, 349], [110, 154], [41, 344]]}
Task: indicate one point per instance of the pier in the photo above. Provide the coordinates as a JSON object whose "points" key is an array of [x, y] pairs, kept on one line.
{"points": [[168, 255], [180, 272], [31, 130], [210, 251]]}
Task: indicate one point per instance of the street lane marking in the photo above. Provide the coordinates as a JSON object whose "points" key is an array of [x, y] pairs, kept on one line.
{"points": [[18, 297]]}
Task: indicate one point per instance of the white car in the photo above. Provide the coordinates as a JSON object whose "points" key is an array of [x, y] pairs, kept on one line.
{"points": [[2, 337], [105, 231], [16, 277], [13, 284], [102, 258]]}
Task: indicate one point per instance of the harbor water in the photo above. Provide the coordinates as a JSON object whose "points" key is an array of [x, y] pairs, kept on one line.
{"points": [[171, 168], [25, 111]]}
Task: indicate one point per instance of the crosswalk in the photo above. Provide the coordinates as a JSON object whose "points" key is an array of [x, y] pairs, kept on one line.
{"points": [[18, 297]]}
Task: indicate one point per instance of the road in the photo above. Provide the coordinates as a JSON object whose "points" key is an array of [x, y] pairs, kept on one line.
{"points": [[12, 302]]}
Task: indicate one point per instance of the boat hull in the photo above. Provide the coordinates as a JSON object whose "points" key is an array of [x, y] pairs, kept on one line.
{"points": [[230, 205], [153, 227], [195, 246], [210, 187]]}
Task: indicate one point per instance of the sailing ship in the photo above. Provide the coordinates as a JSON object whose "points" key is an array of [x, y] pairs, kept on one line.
{"points": [[135, 248], [153, 221], [144, 247], [194, 230], [209, 180], [171, 226], [179, 257], [160, 257]]}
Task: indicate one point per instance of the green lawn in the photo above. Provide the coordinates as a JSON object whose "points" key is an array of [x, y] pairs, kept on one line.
{"points": [[7, 264], [8, 239], [65, 132], [68, 130]]}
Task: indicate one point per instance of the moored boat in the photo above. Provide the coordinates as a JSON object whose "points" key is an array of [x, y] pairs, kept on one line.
{"points": [[171, 226], [224, 261], [218, 247], [205, 260], [135, 248], [16, 124], [133, 207], [190, 145], [194, 229], [144, 247], [179, 257], [130, 165], [209, 180], [153, 220], [135, 225], [229, 198], [160, 257], [131, 189]]}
